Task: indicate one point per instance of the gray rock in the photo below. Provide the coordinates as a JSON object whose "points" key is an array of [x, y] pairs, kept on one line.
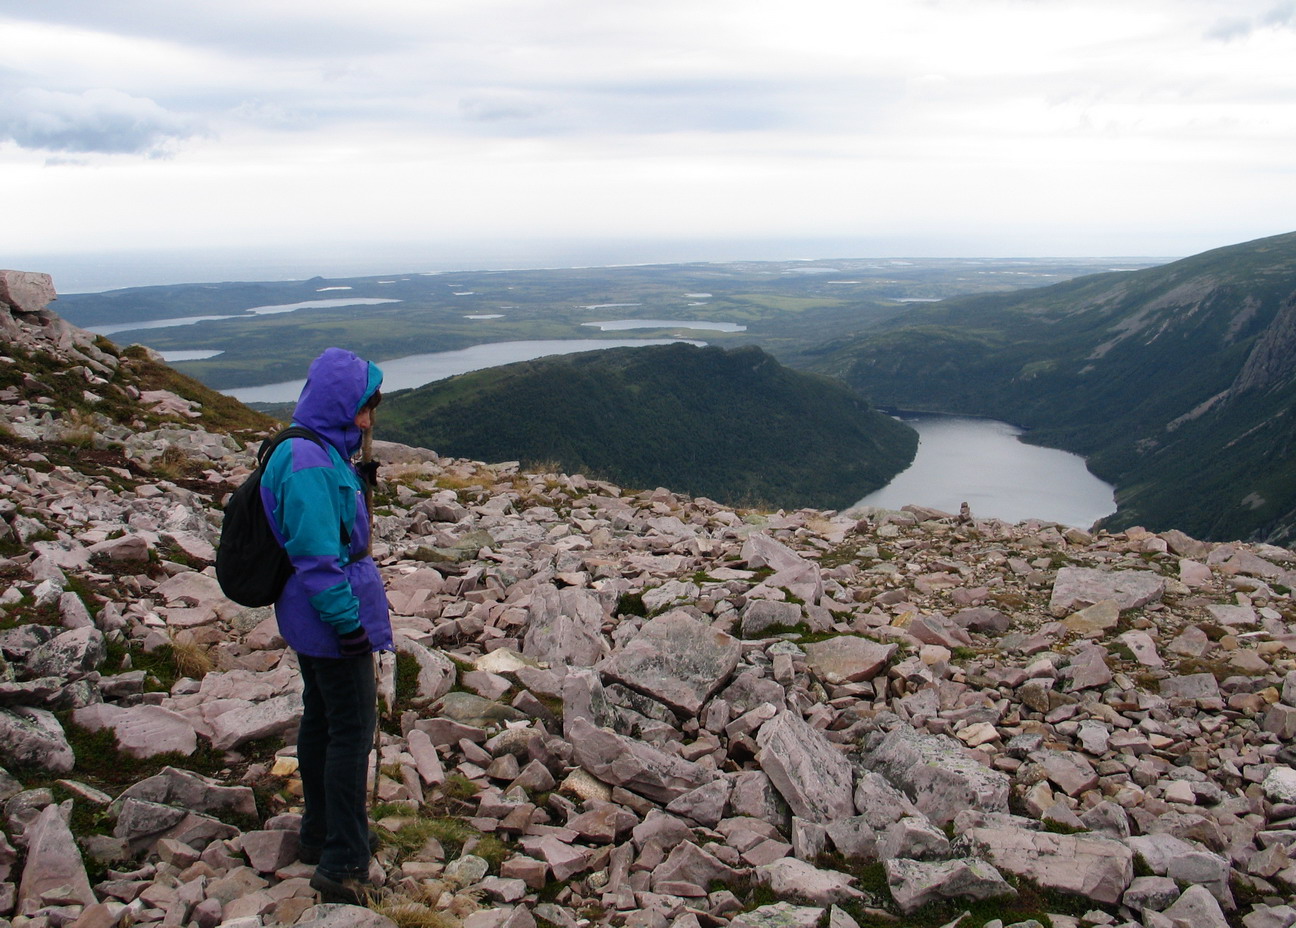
{"points": [[34, 737], [913, 837], [26, 291], [565, 627], [1084, 865], [256, 720], [778, 915], [915, 883], [1280, 785], [847, 659], [1150, 892], [760, 615], [676, 659], [192, 791], [1190, 686], [938, 775], [807, 769], [1079, 587], [74, 652], [638, 767], [798, 879], [332, 915], [1198, 908], [436, 672]]}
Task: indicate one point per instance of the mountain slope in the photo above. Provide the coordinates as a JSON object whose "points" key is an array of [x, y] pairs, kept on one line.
{"points": [[734, 426], [1176, 382]]}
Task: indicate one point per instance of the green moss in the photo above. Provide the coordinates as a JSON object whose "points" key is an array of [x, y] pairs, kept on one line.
{"points": [[631, 604]]}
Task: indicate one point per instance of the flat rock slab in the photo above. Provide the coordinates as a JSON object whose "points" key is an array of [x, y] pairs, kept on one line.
{"points": [[847, 659], [1081, 587], [677, 660], [806, 768], [938, 775], [796, 878], [1084, 865], [141, 731], [914, 883]]}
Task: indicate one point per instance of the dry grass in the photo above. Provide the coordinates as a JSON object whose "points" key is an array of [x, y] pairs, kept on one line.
{"points": [[191, 659]]}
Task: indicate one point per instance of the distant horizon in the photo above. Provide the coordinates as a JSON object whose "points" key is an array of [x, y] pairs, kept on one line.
{"points": [[96, 272]]}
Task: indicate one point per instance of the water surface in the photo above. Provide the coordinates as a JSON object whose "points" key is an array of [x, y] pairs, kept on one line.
{"points": [[981, 462], [415, 370]]}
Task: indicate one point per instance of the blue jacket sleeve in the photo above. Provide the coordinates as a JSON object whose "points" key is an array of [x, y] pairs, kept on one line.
{"points": [[310, 516]]}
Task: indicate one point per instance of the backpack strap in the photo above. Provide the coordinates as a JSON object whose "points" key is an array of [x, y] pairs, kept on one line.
{"points": [[299, 431]]}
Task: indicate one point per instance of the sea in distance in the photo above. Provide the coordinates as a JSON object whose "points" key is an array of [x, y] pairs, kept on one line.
{"points": [[983, 463]]}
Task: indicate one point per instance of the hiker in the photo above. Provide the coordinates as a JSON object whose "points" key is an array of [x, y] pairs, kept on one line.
{"points": [[332, 613]]}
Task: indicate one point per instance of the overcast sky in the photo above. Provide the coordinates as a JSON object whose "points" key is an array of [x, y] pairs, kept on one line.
{"points": [[872, 127]]}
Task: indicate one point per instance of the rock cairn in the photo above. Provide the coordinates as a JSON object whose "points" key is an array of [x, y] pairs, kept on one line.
{"points": [[627, 708]]}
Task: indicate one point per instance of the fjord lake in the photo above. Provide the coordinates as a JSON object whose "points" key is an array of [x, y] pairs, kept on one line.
{"points": [[982, 462]]}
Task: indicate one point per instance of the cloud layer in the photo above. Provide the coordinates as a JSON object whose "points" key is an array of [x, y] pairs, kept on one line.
{"points": [[998, 124]]}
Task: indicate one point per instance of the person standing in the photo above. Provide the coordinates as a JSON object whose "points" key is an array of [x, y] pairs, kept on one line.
{"points": [[332, 613]]}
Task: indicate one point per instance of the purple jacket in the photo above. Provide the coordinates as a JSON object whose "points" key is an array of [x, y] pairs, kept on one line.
{"points": [[315, 501]]}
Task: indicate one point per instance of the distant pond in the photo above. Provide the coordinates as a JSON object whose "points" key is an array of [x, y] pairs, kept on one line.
{"points": [[415, 370], [981, 462]]}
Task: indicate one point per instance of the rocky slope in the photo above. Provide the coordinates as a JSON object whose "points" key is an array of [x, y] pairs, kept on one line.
{"points": [[625, 707]]}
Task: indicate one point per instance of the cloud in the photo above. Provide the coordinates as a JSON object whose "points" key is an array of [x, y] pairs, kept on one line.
{"points": [[97, 121], [1279, 16]]}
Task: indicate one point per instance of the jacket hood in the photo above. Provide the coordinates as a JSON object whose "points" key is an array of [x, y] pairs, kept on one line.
{"points": [[337, 385]]}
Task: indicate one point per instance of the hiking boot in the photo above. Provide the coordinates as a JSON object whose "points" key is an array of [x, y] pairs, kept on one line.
{"points": [[310, 853], [347, 890]]}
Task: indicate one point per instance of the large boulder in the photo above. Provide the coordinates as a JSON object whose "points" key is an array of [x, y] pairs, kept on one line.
{"points": [[938, 775], [808, 770], [565, 627], [634, 765], [1083, 865], [26, 291], [677, 660], [1080, 587]]}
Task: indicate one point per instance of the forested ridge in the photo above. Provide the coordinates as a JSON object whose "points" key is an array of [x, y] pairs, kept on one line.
{"points": [[735, 426]]}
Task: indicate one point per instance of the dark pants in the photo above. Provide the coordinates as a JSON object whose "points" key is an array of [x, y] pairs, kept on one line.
{"points": [[333, 744]]}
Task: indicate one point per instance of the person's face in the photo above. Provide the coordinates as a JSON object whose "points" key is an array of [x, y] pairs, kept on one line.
{"points": [[364, 419]]}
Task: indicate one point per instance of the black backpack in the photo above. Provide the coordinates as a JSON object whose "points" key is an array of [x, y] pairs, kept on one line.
{"points": [[251, 566]]}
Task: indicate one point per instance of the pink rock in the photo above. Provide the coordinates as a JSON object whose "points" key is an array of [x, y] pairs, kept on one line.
{"points": [[54, 873], [26, 291]]}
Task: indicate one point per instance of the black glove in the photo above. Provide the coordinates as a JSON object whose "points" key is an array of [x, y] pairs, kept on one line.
{"points": [[355, 644], [368, 471]]}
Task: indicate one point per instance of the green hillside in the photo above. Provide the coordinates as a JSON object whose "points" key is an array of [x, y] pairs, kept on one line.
{"points": [[1177, 382], [734, 426]]}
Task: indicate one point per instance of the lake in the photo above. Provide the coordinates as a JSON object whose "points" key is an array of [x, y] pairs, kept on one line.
{"points": [[273, 310], [981, 462], [415, 370]]}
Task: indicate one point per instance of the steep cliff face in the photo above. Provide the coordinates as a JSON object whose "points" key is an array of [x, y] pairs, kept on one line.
{"points": [[1174, 382], [1272, 362]]}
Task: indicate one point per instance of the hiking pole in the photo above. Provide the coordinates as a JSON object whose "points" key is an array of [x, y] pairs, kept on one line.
{"points": [[366, 458]]}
